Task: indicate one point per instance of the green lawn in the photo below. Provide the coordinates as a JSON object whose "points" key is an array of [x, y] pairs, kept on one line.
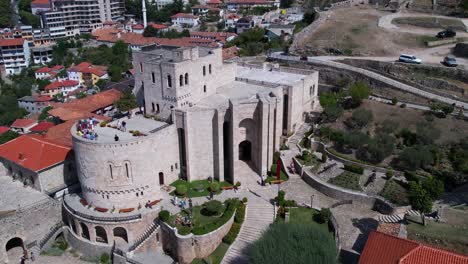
{"points": [[216, 257], [305, 215], [198, 188], [395, 192], [198, 219], [450, 237], [347, 180]]}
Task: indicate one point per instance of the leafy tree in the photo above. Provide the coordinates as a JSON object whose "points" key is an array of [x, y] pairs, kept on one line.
{"points": [[356, 139], [458, 155], [286, 3], [101, 84], [251, 42], [388, 126], [324, 215], [309, 17], [7, 136], [433, 187], [29, 19], [150, 32], [294, 243], [420, 199], [359, 91], [44, 113], [5, 13], [360, 118], [328, 99], [9, 110], [127, 101], [409, 138], [416, 157], [426, 133], [332, 113], [42, 83]]}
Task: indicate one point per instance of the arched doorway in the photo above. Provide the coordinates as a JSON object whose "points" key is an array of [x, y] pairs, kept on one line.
{"points": [[120, 234], [245, 150], [161, 178], [101, 235], [84, 231], [15, 249]]}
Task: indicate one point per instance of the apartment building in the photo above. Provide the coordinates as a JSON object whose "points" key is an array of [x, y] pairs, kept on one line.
{"points": [[14, 55], [82, 16]]}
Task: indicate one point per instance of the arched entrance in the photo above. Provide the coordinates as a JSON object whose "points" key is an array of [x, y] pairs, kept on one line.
{"points": [[120, 235], [245, 150], [15, 249], [101, 235], [84, 231]]}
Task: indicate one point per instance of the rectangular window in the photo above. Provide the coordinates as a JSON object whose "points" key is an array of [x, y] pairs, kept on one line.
{"points": [[141, 67], [110, 168], [126, 169], [153, 78]]}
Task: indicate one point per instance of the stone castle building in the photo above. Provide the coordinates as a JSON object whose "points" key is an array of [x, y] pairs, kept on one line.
{"points": [[203, 118]]}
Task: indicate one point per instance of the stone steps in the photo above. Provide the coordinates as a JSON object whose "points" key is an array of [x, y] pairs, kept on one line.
{"points": [[259, 215]]}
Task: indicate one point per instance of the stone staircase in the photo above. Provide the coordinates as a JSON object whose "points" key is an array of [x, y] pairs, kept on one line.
{"points": [[145, 236], [259, 215], [391, 218]]}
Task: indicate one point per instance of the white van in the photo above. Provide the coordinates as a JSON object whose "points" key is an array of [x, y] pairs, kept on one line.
{"points": [[409, 59]]}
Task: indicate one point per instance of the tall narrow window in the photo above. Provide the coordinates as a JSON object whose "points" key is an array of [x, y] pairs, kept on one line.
{"points": [[152, 107], [204, 88], [153, 78], [204, 70], [209, 68], [141, 67], [169, 80], [311, 91], [157, 108], [126, 170], [186, 78], [181, 80], [110, 168]]}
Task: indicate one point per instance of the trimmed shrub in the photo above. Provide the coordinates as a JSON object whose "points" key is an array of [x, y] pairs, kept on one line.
{"points": [[323, 216], [233, 232], [183, 230], [389, 174], [213, 207], [214, 186], [324, 157], [103, 123], [181, 189], [294, 243], [240, 214], [280, 198], [354, 168], [164, 215], [238, 184], [105, 258], [412, 176], [245, 200]]}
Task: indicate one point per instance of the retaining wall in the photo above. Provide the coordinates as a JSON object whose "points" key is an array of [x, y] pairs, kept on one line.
{"points": [[188, 247]]}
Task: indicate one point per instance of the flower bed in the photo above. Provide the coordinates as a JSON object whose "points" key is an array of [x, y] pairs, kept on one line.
{"points": [[199, 188], [395, 192], [347, 180]]}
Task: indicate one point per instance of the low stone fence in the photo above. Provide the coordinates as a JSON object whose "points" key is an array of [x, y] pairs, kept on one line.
{"points": [[186, 248], [436, 43], [373, 202]]}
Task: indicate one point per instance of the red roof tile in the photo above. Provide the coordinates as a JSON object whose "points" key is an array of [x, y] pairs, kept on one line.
{"points": [[3, 129], [61, 133], [158, 26], [40, 2], [43, 70], [23, 123], [184, 15], [387, 249], [42, 126], [60, 84], [138, 26], [11, 42], [80, 67], [34, 152]]}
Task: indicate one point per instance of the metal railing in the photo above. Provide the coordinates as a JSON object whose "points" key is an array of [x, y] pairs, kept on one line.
{"points": [[52, 231]]}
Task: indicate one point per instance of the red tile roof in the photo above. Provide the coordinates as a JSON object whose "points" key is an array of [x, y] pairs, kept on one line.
{"points": [[138, 26], [218, 36], [387, 249], [56, 68], [83, 108], [40, 2], [158, 26], [229, 53], [42, 126], [3, 129], [11, 42], [34, 152], [184, 15], [60, 84], [61, 133], [213, 2], [43, 70], [23, 123]]}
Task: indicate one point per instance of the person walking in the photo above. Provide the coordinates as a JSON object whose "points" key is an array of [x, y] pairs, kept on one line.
{"points": [[211, 195], [33, 257]]}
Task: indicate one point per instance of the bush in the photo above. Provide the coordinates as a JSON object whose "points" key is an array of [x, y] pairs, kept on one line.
{"points": [[214, 186], [294, 243], [213, 207], [103, 124], [403, 105], [324, 157], [280, 198], [238, 184], [105, 258], [183, 230], [240, 214], [412, 176], [244, 200], [323, 216], [164, 215], [232, 234], [394, 101], [389, 174], [354, 168], [181, 189], [359, 119]]}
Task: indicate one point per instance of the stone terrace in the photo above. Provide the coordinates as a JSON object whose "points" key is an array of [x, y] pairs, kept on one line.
{"points": [[14, 196], [140, 123]]}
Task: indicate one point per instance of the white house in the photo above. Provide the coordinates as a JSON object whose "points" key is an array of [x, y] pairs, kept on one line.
{"points": [[185, 20], [63, 87]]}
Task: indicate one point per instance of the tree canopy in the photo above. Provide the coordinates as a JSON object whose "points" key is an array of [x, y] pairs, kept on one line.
{"points": [[127, 101]]}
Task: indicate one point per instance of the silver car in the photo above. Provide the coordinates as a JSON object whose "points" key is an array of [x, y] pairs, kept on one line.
{"points": [[409, 59]]}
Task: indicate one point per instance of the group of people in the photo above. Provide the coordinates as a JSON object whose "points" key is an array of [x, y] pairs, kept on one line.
{"points": [[85, 128], [25, 257], [183, 220], [122, 126], [182, 203]]}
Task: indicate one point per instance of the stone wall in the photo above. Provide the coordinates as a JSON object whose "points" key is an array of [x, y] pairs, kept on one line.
{"points": [[31, 224], [305, 33], [82, 245], [188, 247]]}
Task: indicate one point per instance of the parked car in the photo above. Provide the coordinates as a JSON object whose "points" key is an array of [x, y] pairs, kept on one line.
{"points": [[304, 58], [450, 61], [448, 33], [409, 59]]}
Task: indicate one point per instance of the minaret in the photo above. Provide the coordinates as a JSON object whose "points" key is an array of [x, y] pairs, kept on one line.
{"points": [[144, 13]]}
